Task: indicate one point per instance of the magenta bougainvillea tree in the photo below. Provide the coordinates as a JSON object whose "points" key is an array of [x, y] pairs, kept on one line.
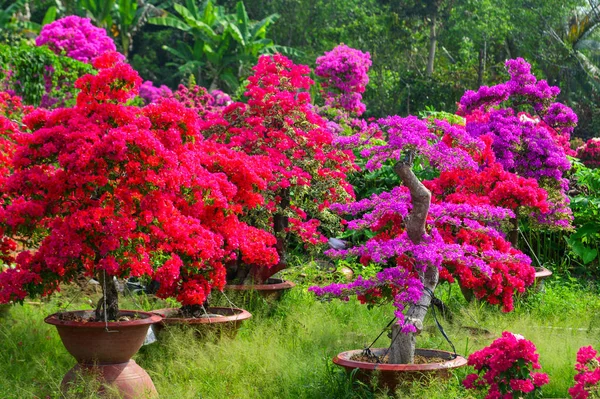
{"points": [[344, 70], [530, 132], [75, 37], [505, 369], [279, 123], [108, 189]]}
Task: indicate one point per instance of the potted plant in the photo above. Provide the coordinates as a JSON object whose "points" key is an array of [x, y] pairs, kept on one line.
{"points": [[413, 238], [109, 190], [309, 173]]}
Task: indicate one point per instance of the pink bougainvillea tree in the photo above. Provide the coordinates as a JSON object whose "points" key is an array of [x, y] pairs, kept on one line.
{"points": [[279, 123], [107, 189]]}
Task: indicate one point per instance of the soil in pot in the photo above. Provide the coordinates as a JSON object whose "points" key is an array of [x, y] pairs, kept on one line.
{"points": [[432, 364], [104, 350], [217, 321]]}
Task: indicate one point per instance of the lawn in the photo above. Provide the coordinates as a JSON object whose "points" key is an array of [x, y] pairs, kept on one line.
{"points": [[285, 350]]}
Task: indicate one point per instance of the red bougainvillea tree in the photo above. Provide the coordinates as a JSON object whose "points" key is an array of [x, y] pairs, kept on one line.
{"points": [[108, 189], [309, 173]]}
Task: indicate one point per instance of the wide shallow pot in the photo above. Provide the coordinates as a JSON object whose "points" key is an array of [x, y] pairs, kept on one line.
{"points": [[271, 289], [390, 375], [227, 324], [104, 350]]}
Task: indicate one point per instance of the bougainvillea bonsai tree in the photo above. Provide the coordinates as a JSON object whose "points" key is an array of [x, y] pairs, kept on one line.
{"points": [[309, 173], [107, 189], [410, 240], [455, 224], [505, 369]]}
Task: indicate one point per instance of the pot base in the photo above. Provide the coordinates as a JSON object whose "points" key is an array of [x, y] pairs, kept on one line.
{"points": [[128, 379], [390, 375]]}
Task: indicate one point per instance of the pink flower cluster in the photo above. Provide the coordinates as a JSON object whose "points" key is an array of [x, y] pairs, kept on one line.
{"points": [[588, 374], [129, 191], [505, 369], [344, 71], [589, 153], [75, 37]]}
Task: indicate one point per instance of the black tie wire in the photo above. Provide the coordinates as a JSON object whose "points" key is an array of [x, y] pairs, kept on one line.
{"points": [[378, 359]]}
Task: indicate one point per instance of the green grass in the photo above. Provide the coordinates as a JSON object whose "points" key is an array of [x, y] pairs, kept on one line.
{"points": [[285, 350]]}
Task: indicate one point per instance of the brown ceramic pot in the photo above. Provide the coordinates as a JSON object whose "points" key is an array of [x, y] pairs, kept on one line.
{"points": [[227, 324], [104, 350], [389, 375], [272, 289]]}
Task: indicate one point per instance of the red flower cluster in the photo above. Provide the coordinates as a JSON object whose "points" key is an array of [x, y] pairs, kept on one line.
{"points": [[588, 374], [508, 277], [505, 368], [130, 191], [280, 124], [589, 153]]}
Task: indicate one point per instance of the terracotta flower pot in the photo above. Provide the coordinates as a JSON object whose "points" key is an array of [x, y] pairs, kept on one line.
{"points": [[107, 354], [541, 274], [227, 325], [392, 374], [272, 289]]}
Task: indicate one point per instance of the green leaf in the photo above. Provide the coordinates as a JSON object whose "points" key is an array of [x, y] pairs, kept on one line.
{"points": [[236, 34], [170, 21], [50, 16], [585, 253]]}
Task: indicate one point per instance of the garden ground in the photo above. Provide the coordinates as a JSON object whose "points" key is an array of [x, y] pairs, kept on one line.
{"points": [[285, 350]]}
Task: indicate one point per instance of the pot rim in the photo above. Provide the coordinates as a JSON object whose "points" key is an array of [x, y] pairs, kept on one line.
{"points": [[239, 315], [283, 285], [150, 318], [343, 359], [542, 272]]}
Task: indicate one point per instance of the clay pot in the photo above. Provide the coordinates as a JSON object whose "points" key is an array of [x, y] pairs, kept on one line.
{"points": [[104, 350], [390, 375], [272, 289], [227, 325]]}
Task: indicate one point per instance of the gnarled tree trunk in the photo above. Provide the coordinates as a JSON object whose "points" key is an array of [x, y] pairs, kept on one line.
{"points": [[108, 305], [402, 350]]}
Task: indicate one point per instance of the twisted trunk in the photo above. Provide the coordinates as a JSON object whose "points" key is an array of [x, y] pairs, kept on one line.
{"points": [[402, 350]]}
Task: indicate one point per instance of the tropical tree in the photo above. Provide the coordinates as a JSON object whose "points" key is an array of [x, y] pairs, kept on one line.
{"points": [[223, 46]]}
